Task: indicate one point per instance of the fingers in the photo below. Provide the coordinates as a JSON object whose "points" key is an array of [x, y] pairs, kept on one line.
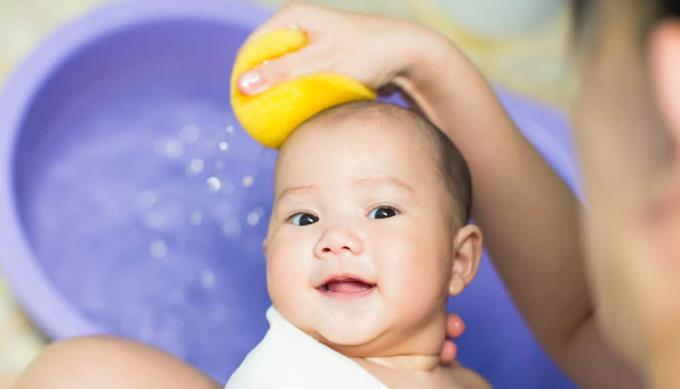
{"points": [[290, 66], [454, 328], [454, 325], [296, 15], [448, 353]]}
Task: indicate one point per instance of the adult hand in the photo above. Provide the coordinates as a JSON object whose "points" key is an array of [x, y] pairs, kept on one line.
{"points": [[371, 49]]}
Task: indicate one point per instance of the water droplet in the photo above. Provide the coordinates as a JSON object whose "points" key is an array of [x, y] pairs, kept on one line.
{"points": [[224, 146], [164, 216], [158, 249], [214, 184], [230, 129], [231, 229], [247, 181], [253, 219], [195, 167], [189, 133], [255, 216], [196, 218], [146, 199], [172, 148], [207, 279]]}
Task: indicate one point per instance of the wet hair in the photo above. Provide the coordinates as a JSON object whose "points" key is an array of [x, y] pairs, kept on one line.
{"points": [[453, 168]]}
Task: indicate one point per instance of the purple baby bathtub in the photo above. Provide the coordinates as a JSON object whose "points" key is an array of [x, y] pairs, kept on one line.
{"points": [[133, 204]]}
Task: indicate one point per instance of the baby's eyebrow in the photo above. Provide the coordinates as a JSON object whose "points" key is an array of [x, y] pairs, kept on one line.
{"points": [[391, 181], [377, 181], [294, 189]]}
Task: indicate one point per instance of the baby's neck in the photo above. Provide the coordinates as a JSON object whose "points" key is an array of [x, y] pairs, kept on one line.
{"points": [[401, 362], [404, 371]]}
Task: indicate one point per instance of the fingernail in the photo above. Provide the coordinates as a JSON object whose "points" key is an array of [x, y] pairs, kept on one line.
{"points": [[252, 82]]}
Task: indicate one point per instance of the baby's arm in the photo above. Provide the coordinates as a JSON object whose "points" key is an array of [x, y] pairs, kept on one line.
{"points": [[528, 214]]}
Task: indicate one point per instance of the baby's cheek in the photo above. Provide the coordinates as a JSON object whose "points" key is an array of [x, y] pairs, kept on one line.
{"points": [[287, 270], [414, 283], [282, 289]]}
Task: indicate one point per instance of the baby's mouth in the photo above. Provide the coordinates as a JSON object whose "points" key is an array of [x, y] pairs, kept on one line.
{"points": [[346, 286]]}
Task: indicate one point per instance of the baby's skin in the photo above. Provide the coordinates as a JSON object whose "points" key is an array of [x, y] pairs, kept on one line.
{"points": [[366, 243]]}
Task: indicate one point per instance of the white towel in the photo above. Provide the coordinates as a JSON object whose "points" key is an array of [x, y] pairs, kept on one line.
{"points": [[288, 358]]}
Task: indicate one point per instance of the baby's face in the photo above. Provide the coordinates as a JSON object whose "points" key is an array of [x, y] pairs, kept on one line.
{"points": [[360, 243]]}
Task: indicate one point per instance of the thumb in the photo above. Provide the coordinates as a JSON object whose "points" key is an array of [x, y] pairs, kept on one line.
{"points": [[279, 70]]}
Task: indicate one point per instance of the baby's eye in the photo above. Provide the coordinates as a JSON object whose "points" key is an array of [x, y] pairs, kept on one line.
{"points": [[303, 219], [382, 212]]}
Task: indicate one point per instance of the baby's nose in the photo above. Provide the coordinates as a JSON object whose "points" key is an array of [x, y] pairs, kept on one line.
{"points": [[338, 240]]}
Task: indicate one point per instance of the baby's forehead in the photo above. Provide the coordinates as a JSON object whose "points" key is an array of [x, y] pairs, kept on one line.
{"points": [[386, 115], [391, 142], [363, 120], [379, 125]]}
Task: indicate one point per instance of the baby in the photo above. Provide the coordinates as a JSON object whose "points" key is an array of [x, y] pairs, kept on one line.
{"points": [[367, 239]]}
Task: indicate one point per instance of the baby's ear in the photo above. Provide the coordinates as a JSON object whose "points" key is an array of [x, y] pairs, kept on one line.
{"points": [[467, 252]]}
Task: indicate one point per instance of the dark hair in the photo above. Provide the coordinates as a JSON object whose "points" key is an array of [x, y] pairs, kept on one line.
{"points": [[660, 8], [453, 168]]}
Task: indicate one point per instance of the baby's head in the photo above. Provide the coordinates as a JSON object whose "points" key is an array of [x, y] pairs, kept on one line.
{"points": [[369, 235]]}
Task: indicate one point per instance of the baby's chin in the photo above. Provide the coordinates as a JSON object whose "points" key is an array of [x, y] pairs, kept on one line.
{"points": [[354, 340], [348, 337], [378, 338]]}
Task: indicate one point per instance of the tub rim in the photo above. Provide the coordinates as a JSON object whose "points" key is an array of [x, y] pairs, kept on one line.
{"points": [[41, 300]]}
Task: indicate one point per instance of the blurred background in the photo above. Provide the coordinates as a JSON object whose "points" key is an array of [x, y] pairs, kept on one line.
{"points": [[520, 44]]}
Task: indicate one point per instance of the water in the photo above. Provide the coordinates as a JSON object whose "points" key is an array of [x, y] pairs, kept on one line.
{"points": [[152, 226]]}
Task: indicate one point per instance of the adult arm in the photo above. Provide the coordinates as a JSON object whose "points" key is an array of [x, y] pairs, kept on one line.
{"points": [[529, 216]]}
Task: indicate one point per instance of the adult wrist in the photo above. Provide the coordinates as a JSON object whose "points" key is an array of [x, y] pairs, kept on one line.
{"points": [[425, 54], [431, 64]]}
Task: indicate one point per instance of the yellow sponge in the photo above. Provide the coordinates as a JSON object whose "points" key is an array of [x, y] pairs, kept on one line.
{"points": [[271, 116]]}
